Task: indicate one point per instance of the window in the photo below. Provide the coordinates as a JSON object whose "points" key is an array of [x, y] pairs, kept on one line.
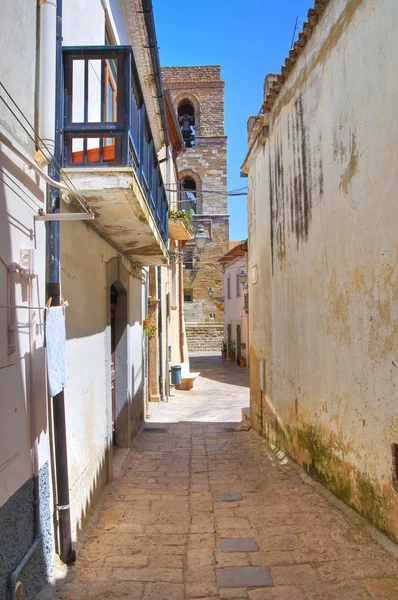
{"points": [[186, 118], [188, 194], [246, 303], [188, 296], [229, 287], [237, 285]]}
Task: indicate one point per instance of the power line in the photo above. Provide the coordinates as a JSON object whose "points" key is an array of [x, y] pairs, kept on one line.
{"points": [[67, 180]]}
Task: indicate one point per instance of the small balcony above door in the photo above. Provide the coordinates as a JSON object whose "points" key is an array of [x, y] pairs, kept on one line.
{"points": [[108, 151]]}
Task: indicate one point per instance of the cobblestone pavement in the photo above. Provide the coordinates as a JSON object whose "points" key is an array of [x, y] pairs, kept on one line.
{"points": [[205, 510]]}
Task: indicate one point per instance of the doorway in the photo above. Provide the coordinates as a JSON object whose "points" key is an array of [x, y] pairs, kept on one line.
{"points": [[119, 358]]}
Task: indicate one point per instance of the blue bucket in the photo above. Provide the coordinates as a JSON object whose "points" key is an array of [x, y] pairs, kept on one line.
{"points": [[176, 375]]}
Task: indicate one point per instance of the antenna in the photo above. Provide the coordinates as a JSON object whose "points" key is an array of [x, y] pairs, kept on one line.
{"points": [[294, 32]]}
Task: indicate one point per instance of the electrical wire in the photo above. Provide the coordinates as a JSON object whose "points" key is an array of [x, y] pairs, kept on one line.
{"points": [[66, 179], [20, 188]]}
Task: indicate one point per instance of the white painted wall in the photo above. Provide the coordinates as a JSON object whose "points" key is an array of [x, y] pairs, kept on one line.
{"points": [[233, 307], [22, 375]]}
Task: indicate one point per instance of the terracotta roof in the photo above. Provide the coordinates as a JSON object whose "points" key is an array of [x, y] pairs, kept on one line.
{"points": [[274, 82], [313, 17], [233, 244], [239, 249]]}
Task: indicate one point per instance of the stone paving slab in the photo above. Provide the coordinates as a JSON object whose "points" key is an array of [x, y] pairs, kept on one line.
{"points": [[161, 531], [229, 497], [243, 577], [238, 545]]}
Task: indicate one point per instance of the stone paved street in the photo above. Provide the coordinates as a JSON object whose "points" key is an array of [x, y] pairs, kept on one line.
{"points": [[204, 510]]}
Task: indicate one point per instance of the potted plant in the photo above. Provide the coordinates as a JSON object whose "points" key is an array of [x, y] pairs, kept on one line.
{"points": [[224, 349], [232, 351], [242, 362]]}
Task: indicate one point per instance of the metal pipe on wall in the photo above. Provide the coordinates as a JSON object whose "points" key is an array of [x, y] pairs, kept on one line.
{"points": [[48, 58], [66, 553], [160, 339], [153, 48]]}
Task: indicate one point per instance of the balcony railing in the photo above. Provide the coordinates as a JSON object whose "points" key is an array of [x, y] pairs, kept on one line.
{"points": [[105, 124]]}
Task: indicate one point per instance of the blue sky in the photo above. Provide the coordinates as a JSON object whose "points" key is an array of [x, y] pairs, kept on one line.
{"points": [[249, 40]]}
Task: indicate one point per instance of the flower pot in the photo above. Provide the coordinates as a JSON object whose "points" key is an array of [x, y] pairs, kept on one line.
{"points": [[223, 354], [232, 358], [242, 362]]}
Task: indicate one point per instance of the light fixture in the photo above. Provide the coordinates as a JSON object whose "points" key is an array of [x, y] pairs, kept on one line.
{"points": [[200, 238], [210, 292], [242, 276]]}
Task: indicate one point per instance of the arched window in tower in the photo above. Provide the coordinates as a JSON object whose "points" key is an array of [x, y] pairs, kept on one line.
{"points": [[188, 194], [186, 118]]}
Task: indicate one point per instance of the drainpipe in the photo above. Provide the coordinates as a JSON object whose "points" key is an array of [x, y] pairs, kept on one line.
{"points": [[48, 58], [53, 290], [161, 391], [153, 48]]}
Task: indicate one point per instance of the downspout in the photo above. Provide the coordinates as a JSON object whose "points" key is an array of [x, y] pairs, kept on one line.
{"points": [[160, 339], [153, 48], [53, 290]]}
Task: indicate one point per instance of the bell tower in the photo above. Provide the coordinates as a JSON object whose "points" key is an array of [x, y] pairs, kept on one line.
{"points": [[198, 97]]}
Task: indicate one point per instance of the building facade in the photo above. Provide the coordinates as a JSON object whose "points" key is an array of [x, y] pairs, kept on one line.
{"points": [[236, 301], [104, 259], [198, 97], [323, 256]]}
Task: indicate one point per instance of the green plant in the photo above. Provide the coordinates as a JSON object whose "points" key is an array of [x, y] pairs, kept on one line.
{"points": [[223, 346], [187, 217], [149, 329], [231, 348]]}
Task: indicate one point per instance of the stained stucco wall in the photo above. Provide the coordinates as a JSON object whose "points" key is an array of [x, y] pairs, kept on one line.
{"points": [[324, 257]]}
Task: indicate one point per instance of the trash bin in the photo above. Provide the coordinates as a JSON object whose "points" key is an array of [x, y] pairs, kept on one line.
{"points": [[176, 375]]}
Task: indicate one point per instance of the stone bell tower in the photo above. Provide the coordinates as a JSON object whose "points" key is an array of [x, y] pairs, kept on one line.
{"points": [[198, 97]]}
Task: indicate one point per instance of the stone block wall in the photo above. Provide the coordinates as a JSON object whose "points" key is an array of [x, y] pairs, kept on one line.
{"points": [[206, 164], [205, 338], [207, 272]]}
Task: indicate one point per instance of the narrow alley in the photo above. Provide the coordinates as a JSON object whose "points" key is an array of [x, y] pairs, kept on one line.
{"points": [[204, 509]]}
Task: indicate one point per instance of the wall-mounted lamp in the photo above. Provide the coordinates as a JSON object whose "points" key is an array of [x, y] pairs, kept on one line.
{"points": [[210, 292], [200, 238], [242, 276]]}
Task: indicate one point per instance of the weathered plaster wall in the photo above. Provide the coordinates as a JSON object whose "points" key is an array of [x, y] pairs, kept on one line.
{"points": [[324, 258]]}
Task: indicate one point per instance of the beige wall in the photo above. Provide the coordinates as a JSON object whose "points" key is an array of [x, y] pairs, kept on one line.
{"points": [[324, 257], [234, 313]]}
